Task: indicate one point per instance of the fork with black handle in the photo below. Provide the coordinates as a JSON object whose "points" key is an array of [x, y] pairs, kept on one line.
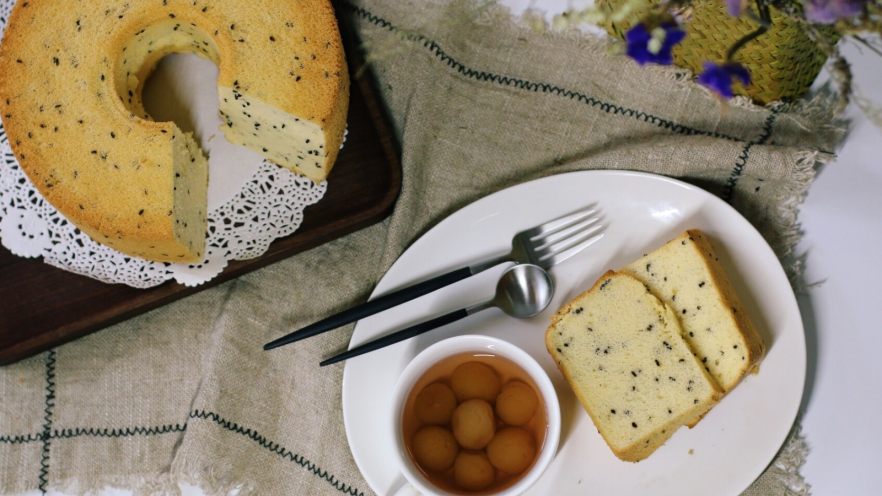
{"points": [[544, 245]]}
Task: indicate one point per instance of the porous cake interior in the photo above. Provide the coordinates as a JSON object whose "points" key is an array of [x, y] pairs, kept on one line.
{"points": [[279, 136], [680, 274], [621, 349]]}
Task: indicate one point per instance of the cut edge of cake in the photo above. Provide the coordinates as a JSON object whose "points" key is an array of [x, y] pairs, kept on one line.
{"points": [[752, 343]]}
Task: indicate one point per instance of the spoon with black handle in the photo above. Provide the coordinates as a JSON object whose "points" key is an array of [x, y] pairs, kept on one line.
{"points": [[523, 291]]}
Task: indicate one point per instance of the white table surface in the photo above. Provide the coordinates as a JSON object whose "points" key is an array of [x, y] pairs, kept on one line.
{"points": [[842, 217]]}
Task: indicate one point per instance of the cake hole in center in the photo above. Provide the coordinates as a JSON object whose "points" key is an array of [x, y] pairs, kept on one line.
{"points": [[183, 89]]}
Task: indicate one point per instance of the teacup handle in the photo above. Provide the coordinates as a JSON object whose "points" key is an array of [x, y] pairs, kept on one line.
{"points": [[405, 489]]}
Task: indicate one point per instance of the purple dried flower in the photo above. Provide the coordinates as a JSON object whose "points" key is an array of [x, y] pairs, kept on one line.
{"points": [[830, 11], [719, 77], [655, 45], [735, 7]]}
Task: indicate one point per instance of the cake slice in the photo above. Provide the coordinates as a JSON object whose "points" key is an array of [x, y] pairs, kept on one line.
{"points": [[621, 351], [686, 274]]}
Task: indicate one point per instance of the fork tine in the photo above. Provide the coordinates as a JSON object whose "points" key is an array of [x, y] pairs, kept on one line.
{"points": [[561, 222], [541, 242], [555, 258], [568, 241]]}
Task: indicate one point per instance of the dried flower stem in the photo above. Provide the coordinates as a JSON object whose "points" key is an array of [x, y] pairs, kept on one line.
{"points": [[765, 21]]}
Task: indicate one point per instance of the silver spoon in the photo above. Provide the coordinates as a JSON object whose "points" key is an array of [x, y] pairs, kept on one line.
{"points": [[524, 290]]}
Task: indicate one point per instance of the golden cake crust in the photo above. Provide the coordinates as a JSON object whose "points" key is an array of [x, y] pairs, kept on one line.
{"points": [[93, 153]]}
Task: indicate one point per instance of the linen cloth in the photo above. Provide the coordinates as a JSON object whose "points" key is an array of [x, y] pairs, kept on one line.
{"points": [[479, 102]]}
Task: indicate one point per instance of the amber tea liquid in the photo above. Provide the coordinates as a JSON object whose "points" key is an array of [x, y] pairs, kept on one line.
{"points": [[441, 372]]}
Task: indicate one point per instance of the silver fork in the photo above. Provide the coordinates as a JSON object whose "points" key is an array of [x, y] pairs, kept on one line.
{"points": [[545, 245], [551, 243]]}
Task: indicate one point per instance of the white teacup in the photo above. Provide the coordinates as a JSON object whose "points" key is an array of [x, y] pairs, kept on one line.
{"points": [[416, 482]]}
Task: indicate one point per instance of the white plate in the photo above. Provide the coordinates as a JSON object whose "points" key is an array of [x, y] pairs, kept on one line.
{"points": [[722, 455]]}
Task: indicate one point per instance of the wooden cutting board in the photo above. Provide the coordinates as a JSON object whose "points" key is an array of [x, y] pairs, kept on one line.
{"points": [[42, 307]]}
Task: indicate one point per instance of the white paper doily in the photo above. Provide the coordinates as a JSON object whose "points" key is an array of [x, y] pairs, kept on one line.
{"points": [[251, 201]]}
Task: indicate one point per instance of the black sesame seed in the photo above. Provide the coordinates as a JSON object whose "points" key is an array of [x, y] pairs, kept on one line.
{"points": [[634, 424]]}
